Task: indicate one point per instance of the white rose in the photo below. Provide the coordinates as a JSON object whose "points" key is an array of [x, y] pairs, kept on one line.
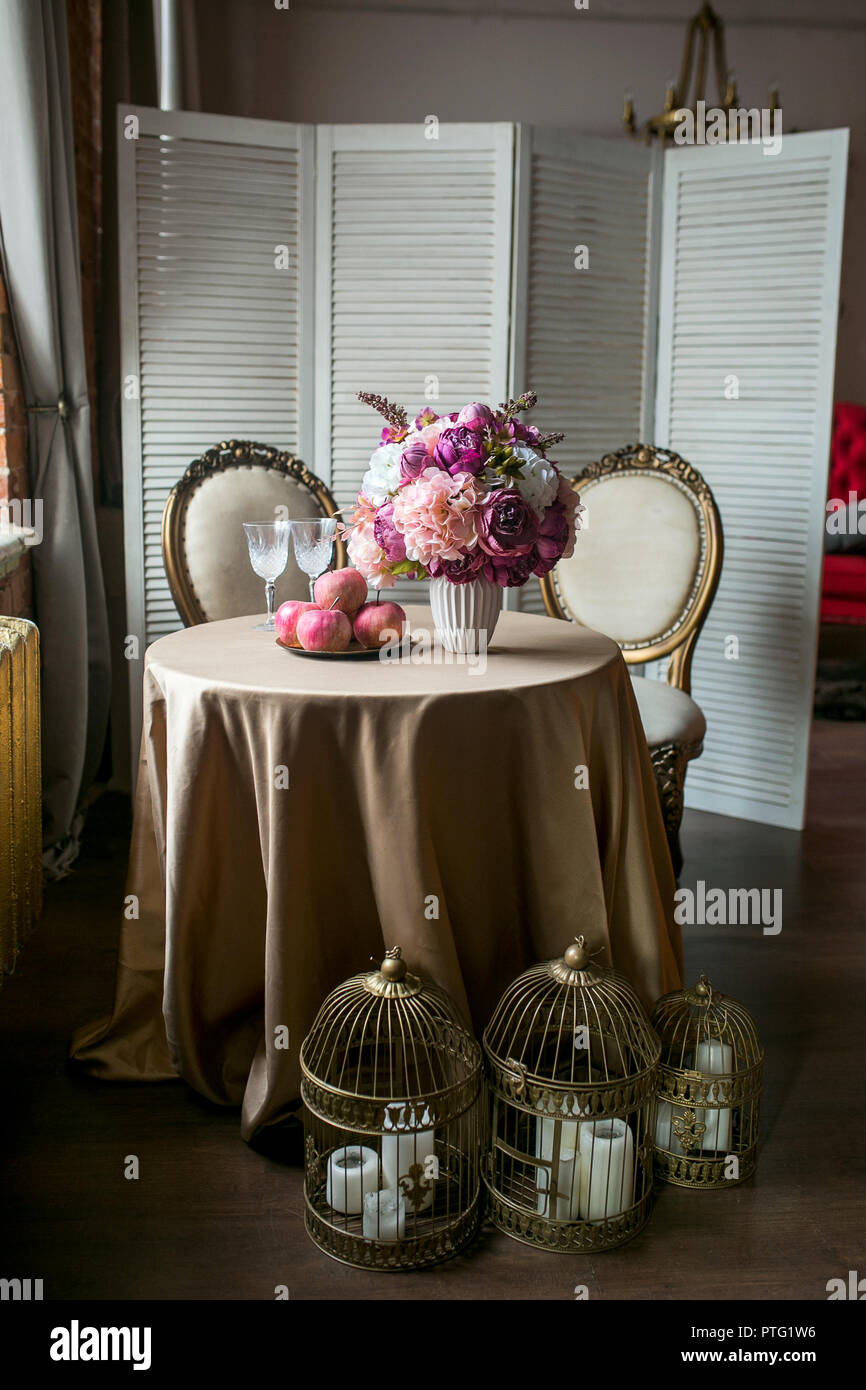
{"points": [[540, 482], [383, 476]]}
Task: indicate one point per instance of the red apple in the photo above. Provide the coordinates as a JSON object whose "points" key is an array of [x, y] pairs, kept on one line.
{"points": [[286, 619], [345, 589], [324, 630], [376, 623]]}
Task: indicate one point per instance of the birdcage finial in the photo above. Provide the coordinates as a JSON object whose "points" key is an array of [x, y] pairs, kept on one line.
{"points": [[393, 967], [702, 993], [576, 956]]}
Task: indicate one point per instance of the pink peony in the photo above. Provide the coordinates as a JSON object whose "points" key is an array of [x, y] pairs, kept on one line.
{"points": [[365, 552], [461, 450], [554, 534], [415, 459], [507, 525], [509, 571], [436, 515], [430, 433], [388, 536], [462, 571], [475, 415]]}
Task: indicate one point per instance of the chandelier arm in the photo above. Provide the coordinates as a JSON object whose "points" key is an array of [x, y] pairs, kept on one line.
{"points": [[682, 93]]}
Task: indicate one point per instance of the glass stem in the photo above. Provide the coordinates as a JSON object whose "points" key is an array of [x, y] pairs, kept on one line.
{"points": [[312, 591], [270, 590]]}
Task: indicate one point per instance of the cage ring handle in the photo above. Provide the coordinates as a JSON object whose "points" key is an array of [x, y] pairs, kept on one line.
{"points": [[519, 1070]]}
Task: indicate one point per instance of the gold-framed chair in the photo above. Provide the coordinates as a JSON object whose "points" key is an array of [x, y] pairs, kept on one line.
{"points": [[204, 550], [645, 572]]}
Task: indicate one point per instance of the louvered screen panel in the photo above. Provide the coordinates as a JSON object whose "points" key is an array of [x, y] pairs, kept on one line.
{"points": [[749, 289], [212, 322], [584, 337], [414, 245]]}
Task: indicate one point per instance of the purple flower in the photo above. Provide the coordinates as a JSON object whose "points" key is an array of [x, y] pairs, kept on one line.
{"points": [[553, 534], [506, 524], [392, 434], [460, 450], [503, 432], [425, 417], [387, 535], [413, 462], [475, 415], [509, 571], [527, 434], [462, 571]]}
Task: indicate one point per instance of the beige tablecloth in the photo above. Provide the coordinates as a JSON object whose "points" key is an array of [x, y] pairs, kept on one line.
{"points": [[430, 805]]}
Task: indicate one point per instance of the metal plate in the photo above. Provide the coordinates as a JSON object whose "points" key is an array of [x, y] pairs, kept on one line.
{"points": [[354, 652]]}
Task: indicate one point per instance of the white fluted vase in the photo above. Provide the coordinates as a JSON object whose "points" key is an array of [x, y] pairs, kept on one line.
{"points": [[465, 615]]}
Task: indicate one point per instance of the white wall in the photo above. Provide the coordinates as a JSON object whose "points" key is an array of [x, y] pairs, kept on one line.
{"points": [[543, 61]]}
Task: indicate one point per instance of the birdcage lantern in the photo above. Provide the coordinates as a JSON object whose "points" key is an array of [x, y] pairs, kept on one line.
{"points": [[392, 1084], [572, 1069], [706, 1128]]}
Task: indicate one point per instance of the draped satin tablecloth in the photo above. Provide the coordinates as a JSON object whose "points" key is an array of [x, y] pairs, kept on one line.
{"points": [[437, 806]]}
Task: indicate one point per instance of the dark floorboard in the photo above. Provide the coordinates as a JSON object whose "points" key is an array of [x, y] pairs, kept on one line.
{"points": [[212, 1218]]}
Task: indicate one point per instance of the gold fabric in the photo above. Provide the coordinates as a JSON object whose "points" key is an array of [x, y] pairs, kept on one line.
{"points": [[428, 805]]}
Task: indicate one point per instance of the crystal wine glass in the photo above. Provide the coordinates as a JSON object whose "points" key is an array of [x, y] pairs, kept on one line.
{"points": [[314, 539], [268, 543]]}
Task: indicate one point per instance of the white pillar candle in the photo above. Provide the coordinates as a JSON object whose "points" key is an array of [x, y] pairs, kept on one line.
{"points": [[664, 1122], [352, 1172], [384, 1215], [606, 1169], [715, 1058], [566, 1166], [402, 1151]]}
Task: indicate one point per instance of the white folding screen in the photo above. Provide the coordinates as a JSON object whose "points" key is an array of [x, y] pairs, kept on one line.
{"points": [[587, 215], [748, 297], [215, 311], [270, 271], [413, 240]]}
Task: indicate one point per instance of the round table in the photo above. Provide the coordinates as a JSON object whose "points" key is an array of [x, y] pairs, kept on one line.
{"points": [[294, 816]]}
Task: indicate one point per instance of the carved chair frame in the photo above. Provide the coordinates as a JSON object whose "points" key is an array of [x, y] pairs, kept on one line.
{"points": [[232, 453], [678, 642]]}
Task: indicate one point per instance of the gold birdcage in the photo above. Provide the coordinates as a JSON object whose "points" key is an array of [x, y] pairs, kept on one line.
{"points": [[391, 1083], [706, 1128], [572, 1070]]}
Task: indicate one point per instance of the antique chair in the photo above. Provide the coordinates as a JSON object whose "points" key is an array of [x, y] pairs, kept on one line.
{"points": [[645, 571], [204, 549]]}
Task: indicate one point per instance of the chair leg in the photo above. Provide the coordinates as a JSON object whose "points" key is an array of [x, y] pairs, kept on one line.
{"points": [[669, 764]]}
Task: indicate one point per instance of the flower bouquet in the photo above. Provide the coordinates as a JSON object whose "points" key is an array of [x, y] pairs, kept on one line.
{"points": [[467, 500]]}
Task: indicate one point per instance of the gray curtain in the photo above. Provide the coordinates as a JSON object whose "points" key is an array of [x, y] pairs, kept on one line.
{"points": [[41, 265]]}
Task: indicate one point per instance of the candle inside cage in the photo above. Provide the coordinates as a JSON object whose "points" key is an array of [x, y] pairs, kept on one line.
{"points": [[715, 1058], [384, 1215], [409, 1158], [606, 1177], [353, 1171], [563, 1169]]}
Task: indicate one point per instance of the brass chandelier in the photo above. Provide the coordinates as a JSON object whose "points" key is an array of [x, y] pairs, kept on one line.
{"points": [[706, 32]]}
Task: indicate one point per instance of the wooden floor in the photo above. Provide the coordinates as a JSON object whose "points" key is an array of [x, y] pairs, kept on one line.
{"points": [[212, 1218]]}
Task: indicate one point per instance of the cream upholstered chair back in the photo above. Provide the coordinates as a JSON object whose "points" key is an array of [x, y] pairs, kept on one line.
{"points": [[646, 566], [204, 547]]}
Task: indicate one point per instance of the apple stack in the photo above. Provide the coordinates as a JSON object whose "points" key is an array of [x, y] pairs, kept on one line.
{"points": [[339, 613]]}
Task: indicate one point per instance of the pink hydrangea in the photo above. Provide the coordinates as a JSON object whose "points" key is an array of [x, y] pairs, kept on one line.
{"points": [[436, 515]]}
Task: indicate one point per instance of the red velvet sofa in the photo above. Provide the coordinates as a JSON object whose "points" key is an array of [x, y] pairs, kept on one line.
{"points": [[843, 596]]}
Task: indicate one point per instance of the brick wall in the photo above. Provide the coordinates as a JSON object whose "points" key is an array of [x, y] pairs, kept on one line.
{"points": [[16, 598]]}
